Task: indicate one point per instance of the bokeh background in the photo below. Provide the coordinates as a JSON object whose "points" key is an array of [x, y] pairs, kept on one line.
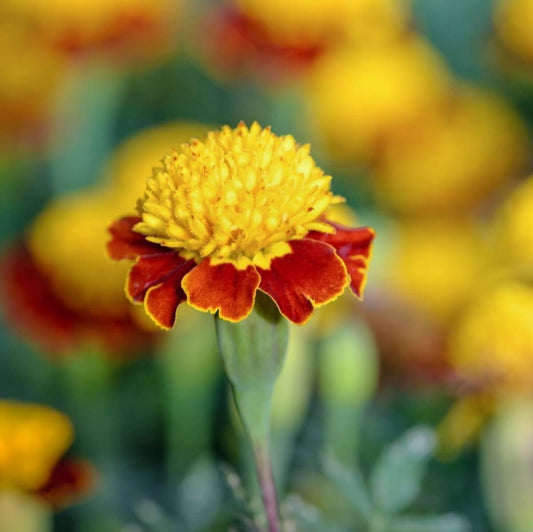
{"points": [[411, 411]]}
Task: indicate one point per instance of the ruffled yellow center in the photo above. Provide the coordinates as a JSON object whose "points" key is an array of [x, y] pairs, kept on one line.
{"points": [[238, 197], [32, 439]]}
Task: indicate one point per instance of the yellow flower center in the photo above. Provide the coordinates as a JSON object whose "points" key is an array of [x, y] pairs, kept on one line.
{"points": [[238, 197]]}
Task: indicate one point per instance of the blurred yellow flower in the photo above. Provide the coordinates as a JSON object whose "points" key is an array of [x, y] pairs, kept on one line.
{"points": [[32, 439], [359, 97], [68, 242], [453, 160], [378, 21], [26, 103], [308, 22], [513, 20], [514, 227], [435, 265], [492, 344], [79, 25], [491, 351]]}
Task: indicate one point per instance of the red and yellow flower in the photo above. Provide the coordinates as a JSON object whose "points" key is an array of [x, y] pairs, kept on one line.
{"points": [[240, 211], [126, 29], [33, 440]]}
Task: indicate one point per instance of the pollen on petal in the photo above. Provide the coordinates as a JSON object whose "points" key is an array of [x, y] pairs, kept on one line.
{"points": [[223, 288], [310, 276]]}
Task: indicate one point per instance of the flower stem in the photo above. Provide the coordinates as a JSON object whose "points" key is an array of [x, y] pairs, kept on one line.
{"points": [[253, 352], [267, 486]]}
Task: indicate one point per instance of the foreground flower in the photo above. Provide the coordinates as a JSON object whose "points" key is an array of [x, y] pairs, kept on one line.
{"points": [[242, 210]]}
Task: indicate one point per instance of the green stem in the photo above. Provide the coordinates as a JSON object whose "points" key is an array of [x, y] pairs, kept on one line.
{"points": [[253, 352]]}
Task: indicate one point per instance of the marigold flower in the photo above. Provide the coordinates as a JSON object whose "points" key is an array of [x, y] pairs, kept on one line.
{"points": [[242, 210], [33, 440], [435, 265], [360, 97], [493, 341], [277, 40], [27, 106], [490, 349], [129, 27], [53, 301], [454, 159], [323, 21]]}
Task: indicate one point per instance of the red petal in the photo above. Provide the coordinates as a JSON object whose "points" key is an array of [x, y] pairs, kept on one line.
{"points": [[69, 480], [126, 243], [36, 312], [310, 276], [156, 279], [354, 247], [222, 287], [31, 306]]}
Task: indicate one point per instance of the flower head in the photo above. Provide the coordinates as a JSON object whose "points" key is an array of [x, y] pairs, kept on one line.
{"points": [[57, 304], [493, 342], [242, 210], [455, 159], [32, 439], [357, 98], [126, 28]]}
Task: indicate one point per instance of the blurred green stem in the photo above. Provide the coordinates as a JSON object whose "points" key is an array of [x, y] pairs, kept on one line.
{"points": [[87, 383], [84, 125], [189, 377]]}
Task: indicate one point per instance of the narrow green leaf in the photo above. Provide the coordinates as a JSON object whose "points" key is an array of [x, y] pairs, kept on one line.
{"points": [[351, 484], [396, 479]]}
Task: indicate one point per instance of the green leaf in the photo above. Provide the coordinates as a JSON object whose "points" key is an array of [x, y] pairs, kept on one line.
{"points": [[302, 517], [351, 484], [430, 523], [396, 479]]}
